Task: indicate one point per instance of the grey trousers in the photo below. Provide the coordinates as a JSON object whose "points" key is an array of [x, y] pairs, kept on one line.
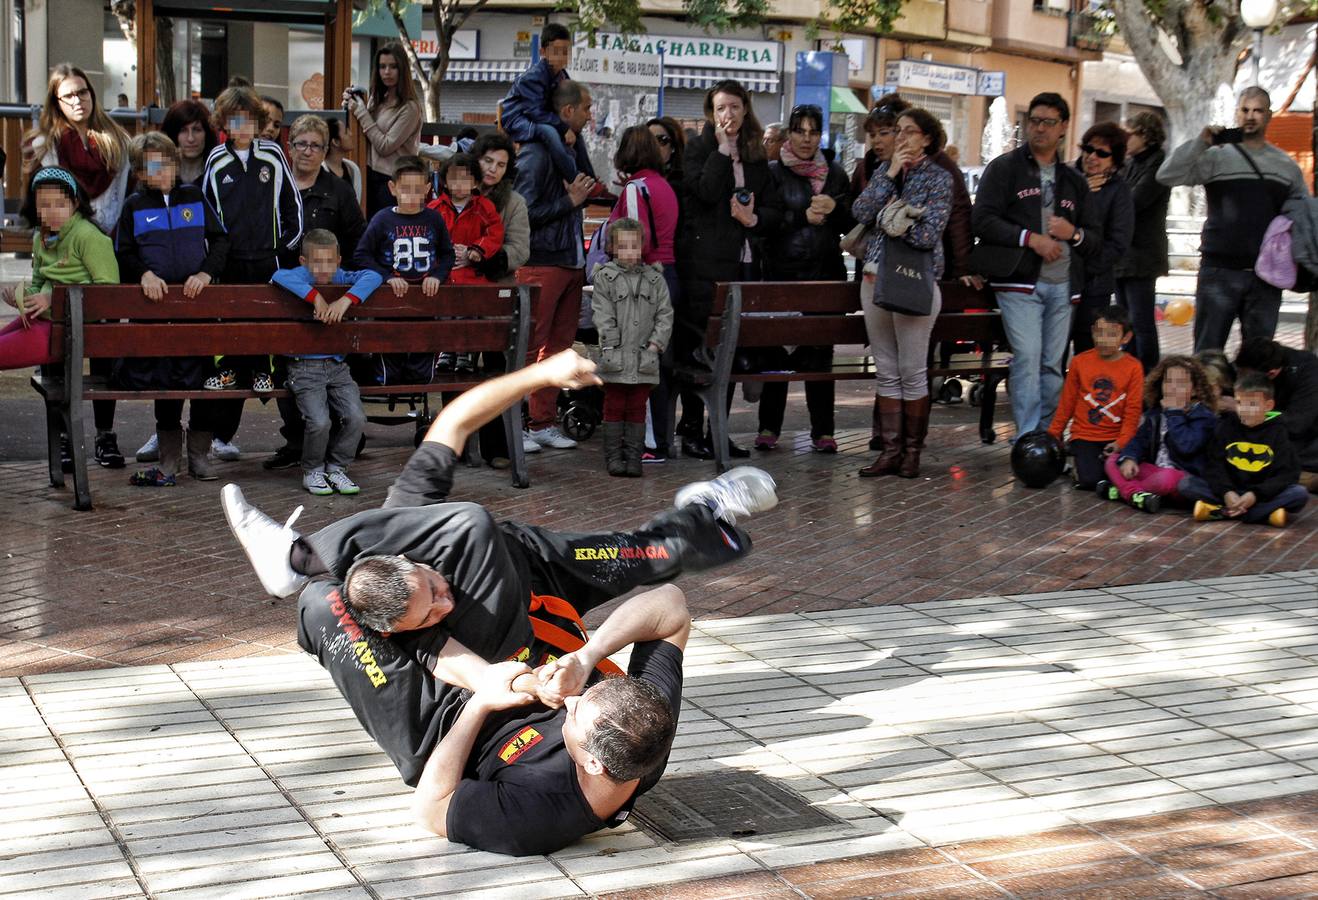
{"points": [[900, 344], [320, 386]]}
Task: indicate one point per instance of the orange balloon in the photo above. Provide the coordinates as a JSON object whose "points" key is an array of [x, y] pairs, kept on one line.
{"points": [[1179, 311]]}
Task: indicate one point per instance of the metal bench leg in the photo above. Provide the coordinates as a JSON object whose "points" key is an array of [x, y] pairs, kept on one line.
{"points": [[82, 489], [54, 427], [512, 429], [716, 405]]}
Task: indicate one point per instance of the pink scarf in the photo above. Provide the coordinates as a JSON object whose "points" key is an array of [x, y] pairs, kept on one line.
{"points": [[815, 168]]}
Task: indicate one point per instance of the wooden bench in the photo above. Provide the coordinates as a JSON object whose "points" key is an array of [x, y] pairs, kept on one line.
{"points": [[774, 314], [113, 321]]}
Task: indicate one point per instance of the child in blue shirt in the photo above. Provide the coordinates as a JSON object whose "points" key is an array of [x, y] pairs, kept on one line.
{"points": [[320, 383], [528, 114]]}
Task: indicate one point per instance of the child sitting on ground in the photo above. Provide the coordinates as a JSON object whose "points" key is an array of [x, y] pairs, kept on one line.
{"points": [[321, 383], [1251, 470], [634, 317], [1101, 398], [1172, 437], [474, 226], [527, 113], [168, 233]]}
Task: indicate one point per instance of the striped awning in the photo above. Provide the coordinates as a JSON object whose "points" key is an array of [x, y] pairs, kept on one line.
{"points": [[703, 79], [499, 70]]}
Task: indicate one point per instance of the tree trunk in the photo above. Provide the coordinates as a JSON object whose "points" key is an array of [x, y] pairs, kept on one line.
{"points": [[429, 98], [166, 82]]}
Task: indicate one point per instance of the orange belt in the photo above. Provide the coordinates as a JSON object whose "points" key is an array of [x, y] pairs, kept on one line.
{"points": [[561, 638]]}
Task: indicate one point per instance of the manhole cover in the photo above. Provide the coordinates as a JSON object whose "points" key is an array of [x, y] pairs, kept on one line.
{"points": [[725, 805]]}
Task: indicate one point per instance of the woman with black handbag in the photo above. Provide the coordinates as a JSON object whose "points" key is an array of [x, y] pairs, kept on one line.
{"points": [[909, 202]]}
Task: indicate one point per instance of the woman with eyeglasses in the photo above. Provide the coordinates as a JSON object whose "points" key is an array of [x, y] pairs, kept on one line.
{"points": [[732, 203], [900, 342], [1138, 271], [1110, 209], [816, 198], [188, 124]]}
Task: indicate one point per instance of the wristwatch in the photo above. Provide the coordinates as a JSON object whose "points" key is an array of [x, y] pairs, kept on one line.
{"points": [[1077, 237]]}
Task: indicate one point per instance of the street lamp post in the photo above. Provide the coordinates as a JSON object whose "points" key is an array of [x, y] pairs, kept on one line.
{"points": [[1258, 15]]}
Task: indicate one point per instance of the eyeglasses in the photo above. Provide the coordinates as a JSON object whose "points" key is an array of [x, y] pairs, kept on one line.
{"points": [[907, 132], [1038, 122], [1095, 151], [663, 139], [83, 95], [307, 147]]}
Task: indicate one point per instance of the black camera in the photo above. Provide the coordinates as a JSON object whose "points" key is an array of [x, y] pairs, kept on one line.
{"points": [[1229, 136], [744, 197]]}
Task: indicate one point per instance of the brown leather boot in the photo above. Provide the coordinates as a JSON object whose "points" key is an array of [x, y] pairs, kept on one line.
{"points": [[890, 432], [915, 415]]}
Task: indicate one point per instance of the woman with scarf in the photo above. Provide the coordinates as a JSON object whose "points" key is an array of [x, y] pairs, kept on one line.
{"points": [[816, 198], [900, 342], [76, 134]]}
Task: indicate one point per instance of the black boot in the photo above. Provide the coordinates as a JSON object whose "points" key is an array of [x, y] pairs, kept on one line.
{"points": [[611, 435], [633, 445]]}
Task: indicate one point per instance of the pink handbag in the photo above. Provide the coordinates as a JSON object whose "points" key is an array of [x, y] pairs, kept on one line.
{"points": [[1275, 265]]}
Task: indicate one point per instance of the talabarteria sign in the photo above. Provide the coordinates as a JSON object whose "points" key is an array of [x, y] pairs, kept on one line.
{"points": [[697, 52]]}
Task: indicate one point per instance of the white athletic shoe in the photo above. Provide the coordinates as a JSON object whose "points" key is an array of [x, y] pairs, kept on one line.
{"points": [[743, 491], [225, 451], [528, 445], [553, 438], [150, 451], [266, 542]]}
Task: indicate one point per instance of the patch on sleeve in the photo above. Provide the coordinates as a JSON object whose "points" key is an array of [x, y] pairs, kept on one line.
{"points": [[527, 738]]}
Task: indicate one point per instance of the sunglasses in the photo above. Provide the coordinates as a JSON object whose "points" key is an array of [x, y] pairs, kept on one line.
{"points": [[1095, 151], [663, 139]]}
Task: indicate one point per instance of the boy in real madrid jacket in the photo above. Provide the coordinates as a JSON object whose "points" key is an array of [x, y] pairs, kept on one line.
{"points": [[168, 234], [1251, 471]]}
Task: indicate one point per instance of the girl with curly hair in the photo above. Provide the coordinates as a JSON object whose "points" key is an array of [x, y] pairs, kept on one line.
{"points": [[1180, 415]]}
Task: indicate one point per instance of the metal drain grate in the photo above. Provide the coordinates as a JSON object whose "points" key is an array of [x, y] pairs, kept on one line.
{"points": [[725, 805]]}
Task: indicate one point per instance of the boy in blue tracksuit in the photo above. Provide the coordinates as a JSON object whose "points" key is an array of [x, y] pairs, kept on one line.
{"points": [[527, 113], [168, 234], [321, 384]]}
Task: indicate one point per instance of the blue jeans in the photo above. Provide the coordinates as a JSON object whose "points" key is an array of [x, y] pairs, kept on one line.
{"points": [[1223, 294], [1038, 325], [322, 386], [1292, 499]]}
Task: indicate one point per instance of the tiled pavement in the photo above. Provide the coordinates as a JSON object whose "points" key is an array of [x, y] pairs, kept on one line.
{"points": [[1194, 704], [934, 732]]}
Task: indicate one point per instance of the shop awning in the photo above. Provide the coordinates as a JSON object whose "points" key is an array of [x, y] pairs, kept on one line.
{"points": [[704, 79], [498, 70], [844, 101]]}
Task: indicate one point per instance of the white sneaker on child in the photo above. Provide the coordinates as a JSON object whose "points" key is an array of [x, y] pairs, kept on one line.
{"points": [[266, 543], [339, 480]]}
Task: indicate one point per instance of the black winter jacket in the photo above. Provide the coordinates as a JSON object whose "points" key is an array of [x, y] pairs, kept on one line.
{"points": [[800, 251], [556, 238], [1189, 433], [329, 203], [1110, 206], [714, 242], [1008, 204], [1259, 459], [1148, 247]]}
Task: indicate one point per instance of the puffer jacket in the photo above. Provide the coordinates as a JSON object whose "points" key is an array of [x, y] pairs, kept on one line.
{"points": [[632, 309], [713, 247], [800, 251], [1148, 248]]}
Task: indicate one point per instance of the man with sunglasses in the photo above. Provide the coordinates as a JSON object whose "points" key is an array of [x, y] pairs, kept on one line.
{"points": [[1247, 181], [1034, 233]]}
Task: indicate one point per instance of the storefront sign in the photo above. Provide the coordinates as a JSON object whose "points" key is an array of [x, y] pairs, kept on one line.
{"points": [[925, 76], [466, 44], [617, 67], [697, 52]]}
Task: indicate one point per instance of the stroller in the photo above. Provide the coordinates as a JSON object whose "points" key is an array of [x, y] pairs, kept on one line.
{"points": [[581, 410]]}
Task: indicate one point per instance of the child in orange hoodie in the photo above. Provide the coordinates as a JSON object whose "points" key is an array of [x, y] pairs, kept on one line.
{"points": [[1102, 398], [475, 227]]}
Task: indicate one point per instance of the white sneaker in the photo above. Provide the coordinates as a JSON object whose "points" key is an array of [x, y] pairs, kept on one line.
{"points": [[552, 437], [266, 543], [743, 491], [339, 480], [528, 445], [225, 451], [150, 451], [316, 483]]}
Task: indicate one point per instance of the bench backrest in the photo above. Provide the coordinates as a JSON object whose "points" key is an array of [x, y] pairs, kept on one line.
{"points": [[263, 319]]}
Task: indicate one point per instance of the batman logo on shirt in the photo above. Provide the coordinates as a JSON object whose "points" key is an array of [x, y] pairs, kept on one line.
{"points": [[1248, 457]]}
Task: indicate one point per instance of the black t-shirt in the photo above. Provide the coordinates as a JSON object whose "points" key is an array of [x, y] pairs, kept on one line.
{"points": [[520, 794]]}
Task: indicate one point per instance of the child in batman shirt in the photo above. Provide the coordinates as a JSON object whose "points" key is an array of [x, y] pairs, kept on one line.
{"points": [[1252, 470]]}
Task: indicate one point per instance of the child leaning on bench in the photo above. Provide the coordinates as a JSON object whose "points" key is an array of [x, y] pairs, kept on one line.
{"points": [[1173, 436], [321, 383], [1251, 470], [168, 233]]}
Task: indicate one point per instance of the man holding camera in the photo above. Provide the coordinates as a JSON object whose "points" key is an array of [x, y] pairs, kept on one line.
{"points": [[1247, 181]]}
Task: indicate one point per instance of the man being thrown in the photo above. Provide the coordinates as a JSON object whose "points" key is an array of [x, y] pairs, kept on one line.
{"points": [[409, 605]]}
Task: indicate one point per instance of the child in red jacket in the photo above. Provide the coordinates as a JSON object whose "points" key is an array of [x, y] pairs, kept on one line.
{"points": [[475, 227]]}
